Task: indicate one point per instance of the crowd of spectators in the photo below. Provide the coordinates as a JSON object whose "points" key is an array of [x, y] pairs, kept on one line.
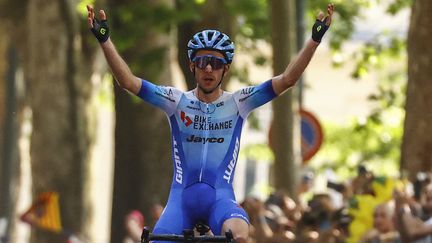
{"points": [[406, 216], [403, 216]]}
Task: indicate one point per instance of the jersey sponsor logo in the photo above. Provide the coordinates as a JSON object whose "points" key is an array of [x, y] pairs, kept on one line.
{"points": [[220, 104], [249, 92], [204, 140], [164, 92], [205, 123], [177, 163], [185, 119], [239, 215], [193, 108], [230, 168]]}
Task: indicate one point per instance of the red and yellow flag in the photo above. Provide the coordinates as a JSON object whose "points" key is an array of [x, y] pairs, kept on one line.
{"points": [[44, 212]]}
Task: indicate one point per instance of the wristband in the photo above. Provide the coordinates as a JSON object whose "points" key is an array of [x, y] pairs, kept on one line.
{"points": [[319, 29], [100, 30]]}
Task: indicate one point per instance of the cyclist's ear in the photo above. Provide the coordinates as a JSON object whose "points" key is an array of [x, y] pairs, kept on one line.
{"points": [[226, 67], [192, 67]]}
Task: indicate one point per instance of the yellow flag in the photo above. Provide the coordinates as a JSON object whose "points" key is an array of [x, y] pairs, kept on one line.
{"points": [[44, 212]]}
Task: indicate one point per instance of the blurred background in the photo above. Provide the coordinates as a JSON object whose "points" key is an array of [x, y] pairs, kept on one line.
{"points": [[78, 154]]}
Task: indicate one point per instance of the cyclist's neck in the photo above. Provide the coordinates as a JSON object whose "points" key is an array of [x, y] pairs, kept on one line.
{"points": [[207, 97]]}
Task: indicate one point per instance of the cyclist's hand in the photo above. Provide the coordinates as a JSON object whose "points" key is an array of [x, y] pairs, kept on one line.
{"points": [[322, 23], [100, 27]]}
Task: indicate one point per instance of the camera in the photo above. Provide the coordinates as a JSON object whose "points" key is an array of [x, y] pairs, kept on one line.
{"points": [[336, 186]]}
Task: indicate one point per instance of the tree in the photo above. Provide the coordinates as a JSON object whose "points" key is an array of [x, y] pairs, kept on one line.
{"points": [[8, 152], [143, 168], [285, 127], [417, 144], [11, 106], [59, 90]]}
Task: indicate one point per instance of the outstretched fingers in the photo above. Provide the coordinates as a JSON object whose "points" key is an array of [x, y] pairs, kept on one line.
{"points": [[102, 15], [327, 19], [320, 16], [330, 10], [90, 16]]}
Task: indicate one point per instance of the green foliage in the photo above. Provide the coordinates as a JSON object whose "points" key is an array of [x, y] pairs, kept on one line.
{"points": [[374, 141], [398, 5], [259, 152], [253, 19], [82, 6], [135, 25], [189, 11], [346, 13], [377, 53]]}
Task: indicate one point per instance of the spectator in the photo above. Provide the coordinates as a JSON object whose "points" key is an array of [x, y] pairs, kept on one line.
{"points": [[134, 224], [156, 211], [361, 183], [304, 187], [338, 232], [383, 226], [289, 207], [260, 230], [411, 226]]}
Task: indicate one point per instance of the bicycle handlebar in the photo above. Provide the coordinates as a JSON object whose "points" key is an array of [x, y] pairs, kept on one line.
{"points": [[187, 236]]}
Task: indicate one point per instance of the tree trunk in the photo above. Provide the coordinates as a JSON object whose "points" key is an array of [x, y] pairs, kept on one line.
{"points": [[4, 46], [143, 166], [11, 106], [285, 127], [417, 142], [59, 89]]}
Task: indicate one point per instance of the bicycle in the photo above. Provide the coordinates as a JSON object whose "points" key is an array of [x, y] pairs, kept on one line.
{"points": [[188, 236]]}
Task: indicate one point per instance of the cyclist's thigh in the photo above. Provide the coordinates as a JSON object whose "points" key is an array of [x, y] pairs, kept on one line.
{"points": [[173, 220], [223, 210]]}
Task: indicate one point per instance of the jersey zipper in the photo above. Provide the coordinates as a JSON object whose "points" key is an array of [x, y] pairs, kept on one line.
{"points": [[205, 148]]}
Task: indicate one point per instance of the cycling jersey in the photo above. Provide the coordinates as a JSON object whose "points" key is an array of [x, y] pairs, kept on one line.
{"points": [[205, 147]]}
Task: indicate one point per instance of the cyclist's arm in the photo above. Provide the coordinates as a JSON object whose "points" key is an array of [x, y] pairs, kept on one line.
{"points": [[120, 69], [295, 69]]}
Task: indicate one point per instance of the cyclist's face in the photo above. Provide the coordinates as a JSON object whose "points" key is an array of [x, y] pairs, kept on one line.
{"points": [[208, 76]]}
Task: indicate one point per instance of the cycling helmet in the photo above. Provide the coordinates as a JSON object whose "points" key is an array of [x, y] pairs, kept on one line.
{"points": [[211, 40]]}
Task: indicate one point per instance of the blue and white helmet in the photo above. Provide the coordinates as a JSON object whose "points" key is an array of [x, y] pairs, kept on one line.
{"points": [[211, 40]]}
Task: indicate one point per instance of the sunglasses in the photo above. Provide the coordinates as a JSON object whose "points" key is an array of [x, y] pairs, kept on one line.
{"points": [[215, 62]]}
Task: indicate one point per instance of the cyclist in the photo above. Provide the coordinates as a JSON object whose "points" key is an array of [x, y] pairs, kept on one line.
{"points": [[206, 123]]}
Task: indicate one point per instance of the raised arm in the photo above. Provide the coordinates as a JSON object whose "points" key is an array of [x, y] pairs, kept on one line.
{"points": [[297, 66], [409, 226], [119, 68]]}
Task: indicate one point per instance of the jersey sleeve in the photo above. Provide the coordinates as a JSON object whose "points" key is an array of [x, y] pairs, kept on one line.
{"points": [[251, 97], [163, 97]]}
